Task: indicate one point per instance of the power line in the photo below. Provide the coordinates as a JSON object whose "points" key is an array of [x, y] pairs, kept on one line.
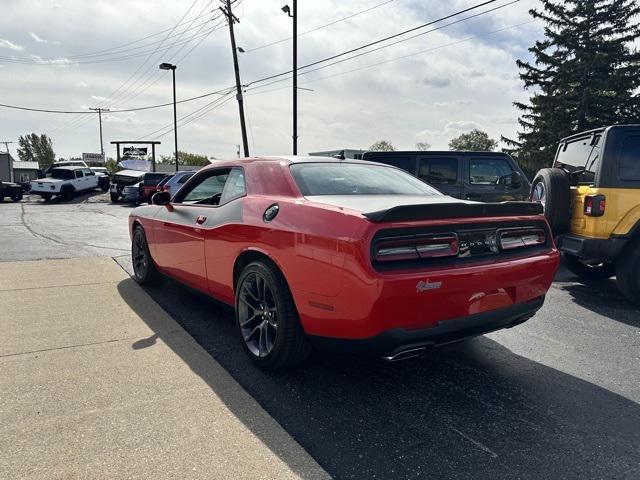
{"points": [[249, 50]]}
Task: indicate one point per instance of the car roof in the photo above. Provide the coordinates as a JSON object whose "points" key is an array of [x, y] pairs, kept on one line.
{"points": [[438, 153], [69, 167], [284, 159]]}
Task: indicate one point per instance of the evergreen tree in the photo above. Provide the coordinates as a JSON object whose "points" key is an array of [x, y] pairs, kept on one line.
{"points": [[36, 148], [585, 74]]}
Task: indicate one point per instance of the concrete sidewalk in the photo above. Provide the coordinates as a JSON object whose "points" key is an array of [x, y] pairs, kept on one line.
{"points": [[97, 381]]}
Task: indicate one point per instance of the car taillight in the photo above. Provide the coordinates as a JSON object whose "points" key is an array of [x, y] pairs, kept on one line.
{"points": [[416, 247], [594, 205], [510, 239]]}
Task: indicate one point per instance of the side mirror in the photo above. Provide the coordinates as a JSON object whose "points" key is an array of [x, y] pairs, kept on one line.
{"points": [[161, 198], [516, 179]]}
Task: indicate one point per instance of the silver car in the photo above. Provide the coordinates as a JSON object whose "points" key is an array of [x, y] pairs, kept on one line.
{"points": [[176, 181]]}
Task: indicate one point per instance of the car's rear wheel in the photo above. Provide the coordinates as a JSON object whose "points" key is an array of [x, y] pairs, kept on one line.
{"points": [[104, 184], [114, 197], [628, 271], [46, 197], [589, 271], [551, 188], [16, 196], [267, 318], [144, 269]]}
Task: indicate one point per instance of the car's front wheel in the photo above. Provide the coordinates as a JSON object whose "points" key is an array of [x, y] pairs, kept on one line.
{"points": [[144, 270], [267, 318], [589, 271], [16, 196]]}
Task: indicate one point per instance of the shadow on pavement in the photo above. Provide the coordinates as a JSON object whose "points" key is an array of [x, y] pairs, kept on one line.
{"points": [[475, 410]]}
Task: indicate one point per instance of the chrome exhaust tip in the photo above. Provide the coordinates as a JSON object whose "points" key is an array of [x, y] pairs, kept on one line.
{"points": [[405, 354]]}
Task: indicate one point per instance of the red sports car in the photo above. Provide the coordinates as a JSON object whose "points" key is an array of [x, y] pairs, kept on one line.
{"points": [[328, 252]]}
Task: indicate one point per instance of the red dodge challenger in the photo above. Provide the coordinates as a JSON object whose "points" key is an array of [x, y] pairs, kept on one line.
{"points": [[335, 253]]}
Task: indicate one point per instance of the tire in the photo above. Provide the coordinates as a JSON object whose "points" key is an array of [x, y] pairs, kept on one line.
{"points": [[551, 188], [278, 318], [67, 194], [104, 184], [114, 197], [144, 268], [46, 197], [628, 271], [17, 196], [601, 271]]}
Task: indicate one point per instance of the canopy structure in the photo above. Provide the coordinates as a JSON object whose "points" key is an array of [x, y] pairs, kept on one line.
{"points": [[139, 142]]}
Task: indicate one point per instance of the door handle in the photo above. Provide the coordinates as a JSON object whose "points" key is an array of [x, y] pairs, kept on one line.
{"points": [[201, 219]]}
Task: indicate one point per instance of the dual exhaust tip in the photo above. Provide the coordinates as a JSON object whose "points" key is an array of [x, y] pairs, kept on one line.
{"points": [[405, 354]]}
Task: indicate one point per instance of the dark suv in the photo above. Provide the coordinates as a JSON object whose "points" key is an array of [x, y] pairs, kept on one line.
{"points": [[479, 176]]}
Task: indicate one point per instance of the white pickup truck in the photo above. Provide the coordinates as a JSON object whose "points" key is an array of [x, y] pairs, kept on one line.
{"points": [[66, 182], [101, 172]]}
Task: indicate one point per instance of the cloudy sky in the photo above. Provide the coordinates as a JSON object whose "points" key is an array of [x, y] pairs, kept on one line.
{"points": [[75, 54]]}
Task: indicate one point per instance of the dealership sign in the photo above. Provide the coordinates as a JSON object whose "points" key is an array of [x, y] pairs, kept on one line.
{"points": [[93, 157], [134, 151]]}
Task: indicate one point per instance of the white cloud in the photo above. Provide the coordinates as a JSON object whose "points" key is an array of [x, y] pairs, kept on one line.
{"points": [[42, 40], [98, 98], [82, 84], [10, 45]]}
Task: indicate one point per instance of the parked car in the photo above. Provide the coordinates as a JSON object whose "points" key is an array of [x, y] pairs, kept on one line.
{"points": [[160, 186], [122, 179], [479, 176], [11, 190], [133, 193], [175, 182], [353, 254], [101, 172], [65, 182], [591, 197], [150, 182]]}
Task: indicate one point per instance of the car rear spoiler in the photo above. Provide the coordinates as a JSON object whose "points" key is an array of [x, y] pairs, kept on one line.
{"points": [[437, 211]]}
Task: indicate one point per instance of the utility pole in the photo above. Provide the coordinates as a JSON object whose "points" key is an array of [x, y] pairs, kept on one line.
{"points": [[100, 110], [231, 19], [6, 145]]}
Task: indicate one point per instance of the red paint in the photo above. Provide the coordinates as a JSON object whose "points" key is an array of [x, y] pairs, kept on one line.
{"points": [[324, 254]]}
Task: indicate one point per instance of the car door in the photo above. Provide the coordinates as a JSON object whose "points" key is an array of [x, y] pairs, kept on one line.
{"points": [[443, 172], [179, 228], [488, 179], [80, 181], [90, 178]]}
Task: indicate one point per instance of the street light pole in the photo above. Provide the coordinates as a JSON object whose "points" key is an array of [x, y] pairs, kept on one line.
{"points": [[293, 14], [168, 66]]}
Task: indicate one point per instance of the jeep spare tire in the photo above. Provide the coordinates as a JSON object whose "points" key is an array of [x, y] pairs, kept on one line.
{"points": [[551, 188]]}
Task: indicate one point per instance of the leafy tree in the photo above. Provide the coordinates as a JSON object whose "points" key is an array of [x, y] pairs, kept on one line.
{"points": [[111, 165], [422, 146], [476, 140], [382, 146], [585, 74], [36, 148], [186, 158]]}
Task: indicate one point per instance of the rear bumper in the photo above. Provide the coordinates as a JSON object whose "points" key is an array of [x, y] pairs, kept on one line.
{"points": [[592, 248], [392, 342]]}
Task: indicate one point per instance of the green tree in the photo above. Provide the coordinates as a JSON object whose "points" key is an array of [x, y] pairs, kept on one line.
{"points": [[476, 140], [186, 158], [111, 165], [36, 148], [585, 74], [382, 146], [422, 146]]}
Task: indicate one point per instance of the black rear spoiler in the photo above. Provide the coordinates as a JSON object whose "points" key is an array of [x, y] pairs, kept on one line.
{"points": [[438, 211]]}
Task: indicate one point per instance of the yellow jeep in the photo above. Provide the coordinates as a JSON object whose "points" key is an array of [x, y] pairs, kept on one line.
{"points": [[591, 198]]}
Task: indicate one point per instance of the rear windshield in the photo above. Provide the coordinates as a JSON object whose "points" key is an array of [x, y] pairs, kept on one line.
{"points": [[151, 179], [581, 155], [356, 179], [62, 174]]}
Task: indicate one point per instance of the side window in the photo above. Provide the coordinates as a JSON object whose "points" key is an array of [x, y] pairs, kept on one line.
{"points": [[207, 191], [406, 163], [439, 170], [629, 163], [235, 186], [184, 178], [79, 174], [87, 172], [488, 171]]}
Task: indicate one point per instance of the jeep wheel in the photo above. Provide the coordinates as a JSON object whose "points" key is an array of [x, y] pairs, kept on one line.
{"points": [[628, 271], [589, 271], [104, 184], [67, 194], [114, 197], [46, 197], [551, 189]]}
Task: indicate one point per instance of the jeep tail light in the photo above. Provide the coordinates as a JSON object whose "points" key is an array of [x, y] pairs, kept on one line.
{"points": [[416, 247], [594, 205], [511, 239]]}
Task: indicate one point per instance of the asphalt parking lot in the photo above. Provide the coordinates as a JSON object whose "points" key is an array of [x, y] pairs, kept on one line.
{"points": [[557, 397]]}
